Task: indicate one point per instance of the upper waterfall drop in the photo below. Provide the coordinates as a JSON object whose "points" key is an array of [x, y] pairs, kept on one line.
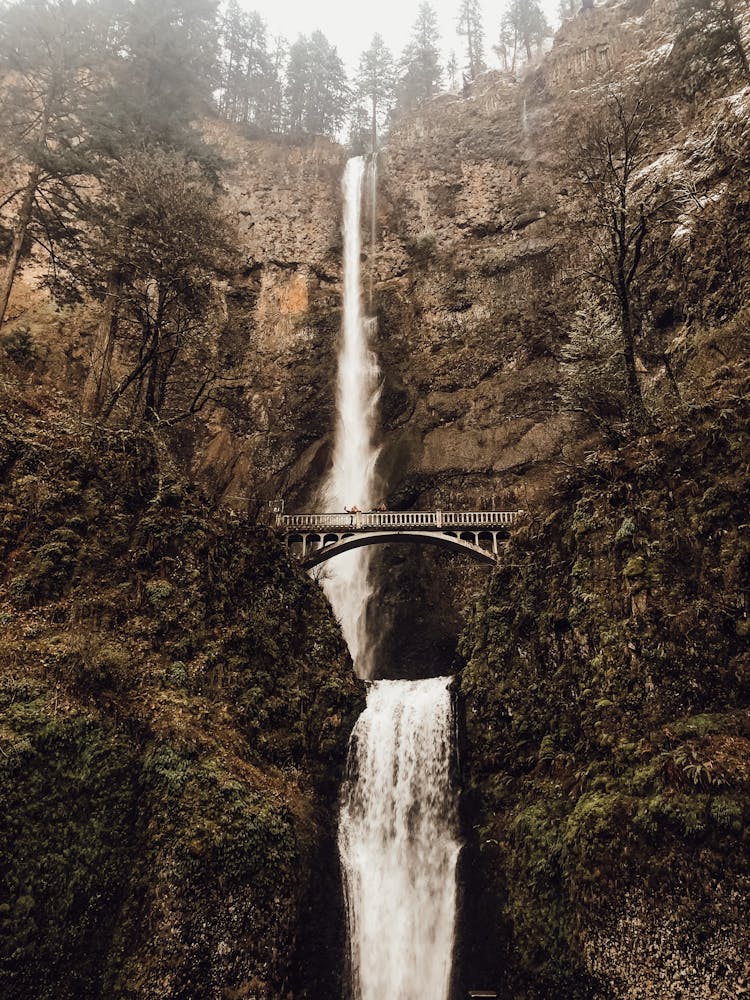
{"points": [[351, 480]]}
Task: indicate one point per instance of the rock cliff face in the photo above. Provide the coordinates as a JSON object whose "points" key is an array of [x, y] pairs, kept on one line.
{"points": [[281, 323], [479, 270]]}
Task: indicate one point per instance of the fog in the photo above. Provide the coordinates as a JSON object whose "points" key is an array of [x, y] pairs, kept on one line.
{"points": [[350, 25]]}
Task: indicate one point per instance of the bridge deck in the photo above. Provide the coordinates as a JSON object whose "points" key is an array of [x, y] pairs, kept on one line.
{"points": [[397, 520]]}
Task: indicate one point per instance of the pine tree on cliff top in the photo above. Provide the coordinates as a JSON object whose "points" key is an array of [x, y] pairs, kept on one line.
{"points": [[421, 72], [376, 81], [50, 52], [452, 71], [470, 27], [316, 96], [523, 25], [248, 71], [167, 72]]}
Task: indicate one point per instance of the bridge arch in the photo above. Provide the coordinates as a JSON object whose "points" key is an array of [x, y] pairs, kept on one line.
{"points": [[442, 540]]}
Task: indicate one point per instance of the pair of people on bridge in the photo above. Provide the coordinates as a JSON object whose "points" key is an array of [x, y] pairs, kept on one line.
{"points": [[380, 509]]}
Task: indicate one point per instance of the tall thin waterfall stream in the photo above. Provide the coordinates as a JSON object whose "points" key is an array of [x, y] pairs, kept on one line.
{"points": [[398, 829], [352, 478]]}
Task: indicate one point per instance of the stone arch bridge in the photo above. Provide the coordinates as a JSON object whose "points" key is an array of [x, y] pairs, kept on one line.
{"points": [[315, 538]]}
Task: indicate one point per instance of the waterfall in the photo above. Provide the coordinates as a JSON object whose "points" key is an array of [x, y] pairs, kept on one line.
{"points": [[351, 481], [398, 842], [398, 829]]}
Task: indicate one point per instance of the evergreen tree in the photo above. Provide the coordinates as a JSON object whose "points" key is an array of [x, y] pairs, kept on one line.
{"points": [[163, 78], [328, 95], [421, 72], [592, 370], [523, 24], [166, 74], [50, 53], [470, 27], [452, 70], [375, 86], [709, 39], [316, 95], [234, 43], [297, 83], [249, 81], [568, 8], [276, 89], [154, 224]]}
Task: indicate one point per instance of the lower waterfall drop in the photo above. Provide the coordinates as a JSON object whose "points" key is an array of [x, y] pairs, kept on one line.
{"points": [[398, 842]]}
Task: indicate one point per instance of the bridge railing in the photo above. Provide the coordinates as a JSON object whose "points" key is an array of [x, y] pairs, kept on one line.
{"points": [[398, 519]]}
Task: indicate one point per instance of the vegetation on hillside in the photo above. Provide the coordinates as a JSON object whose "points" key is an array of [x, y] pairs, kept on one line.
{"points": [[175, 704], [608, 717], [607, 685]]}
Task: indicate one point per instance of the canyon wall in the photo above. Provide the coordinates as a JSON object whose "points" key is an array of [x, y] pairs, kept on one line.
{"points": [[605, 684]]}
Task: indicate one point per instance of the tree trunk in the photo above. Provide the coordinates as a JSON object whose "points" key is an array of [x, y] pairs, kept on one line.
{"points": [[636, 407], [150, 407], [24, 214], [99, 375], [736, 36], [19, 235]]}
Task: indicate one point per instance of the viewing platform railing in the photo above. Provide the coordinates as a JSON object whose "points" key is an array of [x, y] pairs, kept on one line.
{"points": [[397, 519]]}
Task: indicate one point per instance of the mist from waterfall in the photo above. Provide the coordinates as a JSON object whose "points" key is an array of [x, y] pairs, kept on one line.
{"points": [[351, 482], [398, 842]]}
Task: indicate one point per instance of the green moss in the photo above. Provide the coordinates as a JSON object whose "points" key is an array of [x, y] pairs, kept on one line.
{"points": [[175, 706], [626, 531], [159, 591], [606, 723], [635, 566], [67, 838], [727, 813]]}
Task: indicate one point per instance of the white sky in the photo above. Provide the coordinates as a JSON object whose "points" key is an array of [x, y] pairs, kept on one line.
{"points": [[350, 24]]}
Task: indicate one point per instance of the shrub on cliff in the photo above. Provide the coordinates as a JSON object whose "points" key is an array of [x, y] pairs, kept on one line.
{"points": [[709, 41], [592, 368]]}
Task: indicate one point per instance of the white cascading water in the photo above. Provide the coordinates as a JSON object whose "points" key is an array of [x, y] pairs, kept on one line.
{"points": [[398, 827], [398, 842], [351, 481]]}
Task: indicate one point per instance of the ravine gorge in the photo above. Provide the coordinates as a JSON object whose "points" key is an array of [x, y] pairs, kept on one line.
{"points": [[374, 491]]}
